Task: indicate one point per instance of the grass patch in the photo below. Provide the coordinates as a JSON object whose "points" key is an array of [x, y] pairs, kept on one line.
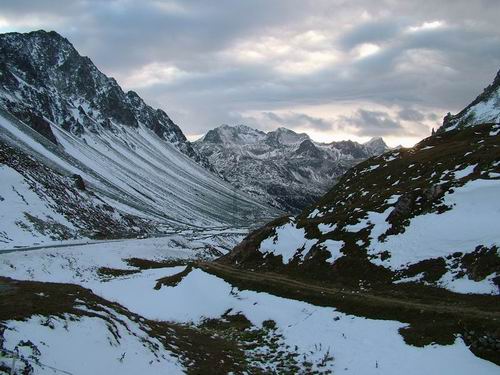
{"points": [[197, 350], [173, 280], [147, 264], [230, 344], [434, 314], [107, 273], [266, 351]]}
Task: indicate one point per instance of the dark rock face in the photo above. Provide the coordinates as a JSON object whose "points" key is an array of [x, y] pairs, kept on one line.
{"points": [[282, 168], [307, 148], [44, 79], [38, 124], [79, 183]]}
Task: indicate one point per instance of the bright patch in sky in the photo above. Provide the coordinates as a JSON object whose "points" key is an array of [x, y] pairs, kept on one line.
{"points": [[152, 74], [427, 26], [367, 49]]}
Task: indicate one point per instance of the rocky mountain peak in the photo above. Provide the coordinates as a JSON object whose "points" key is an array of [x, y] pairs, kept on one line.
{"points": [[308, 148], [45, 76], [233, 135], [283, 168], [284, 136], [484, 109], [376, 146]]}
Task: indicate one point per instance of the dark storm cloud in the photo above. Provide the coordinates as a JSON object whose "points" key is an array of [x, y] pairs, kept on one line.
{"points": [[374, 123], [409, 114], [370, 32], [209, 62], [298, 120]]}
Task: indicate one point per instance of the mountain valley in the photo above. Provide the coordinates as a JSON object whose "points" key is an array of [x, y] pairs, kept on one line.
{"points": [[127, 249]]}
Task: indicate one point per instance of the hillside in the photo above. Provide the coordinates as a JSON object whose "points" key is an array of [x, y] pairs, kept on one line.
{"points": [[428, 215], [45, 81], [282, 168]]}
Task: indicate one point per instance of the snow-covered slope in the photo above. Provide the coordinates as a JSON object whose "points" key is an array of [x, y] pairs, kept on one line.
{"points": [[44, 79], [127, 325], [429, 214], [39, 205], [57, 108], [282, 168], [484, 109]]}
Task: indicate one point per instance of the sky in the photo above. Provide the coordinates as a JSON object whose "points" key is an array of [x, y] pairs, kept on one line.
{"points": [[336, 69]]}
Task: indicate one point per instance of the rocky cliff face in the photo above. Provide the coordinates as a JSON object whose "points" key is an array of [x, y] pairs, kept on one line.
{"points": [[44, 79], [282, 168]]}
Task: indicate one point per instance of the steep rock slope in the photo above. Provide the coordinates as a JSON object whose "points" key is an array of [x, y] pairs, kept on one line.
{"points": [[282, 168], [39, 205], [128, 159], [44, 79], [484, 109]]}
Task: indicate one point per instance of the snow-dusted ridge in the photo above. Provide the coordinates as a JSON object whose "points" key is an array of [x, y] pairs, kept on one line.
{"points": [[282, 168], [484, 109]]}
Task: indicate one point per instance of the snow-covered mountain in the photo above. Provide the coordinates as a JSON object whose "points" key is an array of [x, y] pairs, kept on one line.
{"points": [[484, 109], [59, 110], [44, 79], [282, 168], [425, 215]]}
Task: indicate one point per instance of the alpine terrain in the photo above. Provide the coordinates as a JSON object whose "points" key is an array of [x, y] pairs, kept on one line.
{"points": [[127, 249], [411, 223], [282, 168], [81, 158]]}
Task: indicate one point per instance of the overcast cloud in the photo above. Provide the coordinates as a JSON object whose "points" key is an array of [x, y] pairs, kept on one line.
{"points": [[335, 69]]}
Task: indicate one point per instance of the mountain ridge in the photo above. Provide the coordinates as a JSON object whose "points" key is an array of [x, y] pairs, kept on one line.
{"points": [[285, 169], [483, 109], [133, 159], [72, 91]]}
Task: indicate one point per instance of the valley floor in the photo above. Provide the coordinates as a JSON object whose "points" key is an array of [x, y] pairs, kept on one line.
{"points": [[157, 306]]}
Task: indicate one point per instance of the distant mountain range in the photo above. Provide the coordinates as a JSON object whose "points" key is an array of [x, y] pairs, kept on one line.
{"points": [[282, 168]]}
